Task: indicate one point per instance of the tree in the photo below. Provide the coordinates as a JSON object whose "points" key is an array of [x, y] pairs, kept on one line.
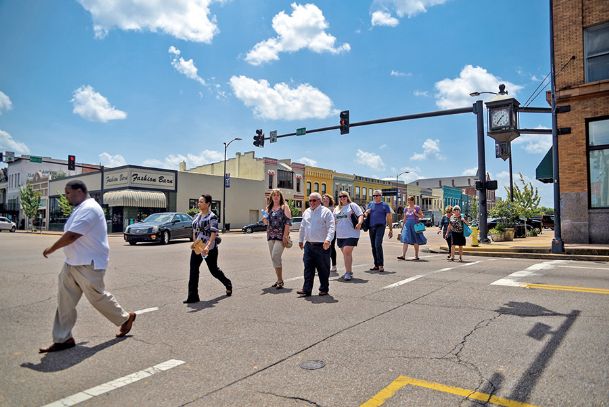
{"points": [[507, 212], [64, 206], [526, 198], [473, 208], [30, 201], [293, 209]]}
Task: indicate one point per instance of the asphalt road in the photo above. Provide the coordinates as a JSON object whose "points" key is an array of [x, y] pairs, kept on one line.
{"points": [[426, 333]]}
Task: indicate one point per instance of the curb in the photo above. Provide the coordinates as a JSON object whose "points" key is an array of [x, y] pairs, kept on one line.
{"points": [[529, 255]]}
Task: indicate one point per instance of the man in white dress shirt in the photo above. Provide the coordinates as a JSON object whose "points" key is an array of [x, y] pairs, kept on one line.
{"points": [[85, 245], [316, 234]]}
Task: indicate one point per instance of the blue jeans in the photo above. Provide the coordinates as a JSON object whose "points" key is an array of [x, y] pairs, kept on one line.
{"points": [[376, 241], [315, 257]]}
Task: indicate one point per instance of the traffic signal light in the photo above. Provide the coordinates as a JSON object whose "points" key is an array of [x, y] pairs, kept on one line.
{"points": [[259, 138], [71, 162], [344, 122]]}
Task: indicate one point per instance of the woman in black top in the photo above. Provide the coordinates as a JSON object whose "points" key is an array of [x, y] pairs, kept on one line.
{"points": [[205, 227]]}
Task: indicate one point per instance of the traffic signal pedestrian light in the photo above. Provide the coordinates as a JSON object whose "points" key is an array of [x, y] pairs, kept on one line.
{"points": [[71, 162], [344, 122], [259, 138]]}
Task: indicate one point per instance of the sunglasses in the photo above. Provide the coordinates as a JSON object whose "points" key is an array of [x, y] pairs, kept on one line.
{"points": [[343, 196], [313, 200], [376, 195]]}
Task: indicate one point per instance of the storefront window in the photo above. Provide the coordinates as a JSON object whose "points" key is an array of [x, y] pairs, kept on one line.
{"points": [[598, 162]]}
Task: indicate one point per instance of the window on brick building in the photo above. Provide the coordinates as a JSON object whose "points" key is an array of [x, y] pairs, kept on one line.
{"points": [[284, 179], [316, 187], [598, 162], [596, 48], [308, 188], [297, 184], [357, 193], [270, 181], [323, 188]]}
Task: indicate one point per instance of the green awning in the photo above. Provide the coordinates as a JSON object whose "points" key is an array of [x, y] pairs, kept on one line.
{"points": [[545, 169]]}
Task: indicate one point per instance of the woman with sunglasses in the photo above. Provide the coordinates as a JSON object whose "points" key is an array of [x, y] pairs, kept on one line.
{"points": [[279, 220], [328, 202], [455, 231], [349, 218]]}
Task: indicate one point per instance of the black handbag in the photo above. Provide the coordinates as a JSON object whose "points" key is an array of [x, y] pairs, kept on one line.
{"points": [[366, 224], [354, 217]]}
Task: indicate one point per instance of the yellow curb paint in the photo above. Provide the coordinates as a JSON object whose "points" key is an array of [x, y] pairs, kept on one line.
{"points": [[567, 288], [401, 381]]}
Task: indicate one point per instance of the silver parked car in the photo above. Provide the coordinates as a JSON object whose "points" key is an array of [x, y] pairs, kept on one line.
{"points": [[296, 223], [160, 227], [6, 224]]}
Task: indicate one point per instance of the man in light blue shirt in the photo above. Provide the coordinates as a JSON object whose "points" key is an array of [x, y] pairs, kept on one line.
{"points": [[316, 234]]}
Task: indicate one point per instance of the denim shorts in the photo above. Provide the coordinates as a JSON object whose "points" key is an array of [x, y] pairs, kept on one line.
{"points": [[350, 241]]}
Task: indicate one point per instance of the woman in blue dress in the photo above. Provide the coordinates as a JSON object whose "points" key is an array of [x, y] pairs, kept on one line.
{"points": [[412, 214]]}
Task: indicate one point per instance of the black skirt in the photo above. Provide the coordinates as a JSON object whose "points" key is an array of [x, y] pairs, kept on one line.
{"points": [[458, 239]]}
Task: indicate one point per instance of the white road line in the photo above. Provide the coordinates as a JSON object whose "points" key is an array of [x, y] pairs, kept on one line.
{"points": [[586, 268], [413, 278], [145, 310], [114, 384], [512, 279]]}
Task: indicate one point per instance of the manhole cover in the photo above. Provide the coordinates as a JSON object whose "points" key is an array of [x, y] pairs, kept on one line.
{"points": [[312, 364]]}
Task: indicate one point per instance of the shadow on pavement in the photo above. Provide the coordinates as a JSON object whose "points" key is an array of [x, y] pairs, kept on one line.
{"points": [[201, 305], [273, 290], [316, 299], [57, 361], [523, 389]]}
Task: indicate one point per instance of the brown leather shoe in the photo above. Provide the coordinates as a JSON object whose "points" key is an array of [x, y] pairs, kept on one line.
{"points": [[303, 293], [126, 327], [70, 343]]}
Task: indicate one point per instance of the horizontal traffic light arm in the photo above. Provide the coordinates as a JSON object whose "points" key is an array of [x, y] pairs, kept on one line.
{"points": [[388, 120]]}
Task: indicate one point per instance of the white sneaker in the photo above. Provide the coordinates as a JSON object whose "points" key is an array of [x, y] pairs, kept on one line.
{"points": [[333, 269]]}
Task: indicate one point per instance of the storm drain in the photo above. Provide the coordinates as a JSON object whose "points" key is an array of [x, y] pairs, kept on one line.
{"points": [[312, 364]]}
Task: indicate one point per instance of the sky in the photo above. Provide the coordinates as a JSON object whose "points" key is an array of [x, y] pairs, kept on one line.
{"points": [[157, 82]]}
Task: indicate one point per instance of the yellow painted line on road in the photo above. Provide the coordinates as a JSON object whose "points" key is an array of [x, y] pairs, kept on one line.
{"points": [[567, 288], [402, 381]]}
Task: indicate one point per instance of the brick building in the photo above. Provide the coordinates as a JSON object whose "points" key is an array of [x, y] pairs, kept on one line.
{"points": [[581, 30]]}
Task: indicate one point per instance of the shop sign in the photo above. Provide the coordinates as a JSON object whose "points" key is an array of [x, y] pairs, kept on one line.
{"points": [[141, 178]]}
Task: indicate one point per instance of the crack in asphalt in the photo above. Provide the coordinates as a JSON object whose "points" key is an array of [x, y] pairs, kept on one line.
{"points": [[291, 398], [311, 346]]}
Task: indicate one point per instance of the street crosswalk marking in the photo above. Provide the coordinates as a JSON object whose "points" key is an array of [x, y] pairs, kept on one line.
{"points": [[115, 384], [145, 310], [408, 280]]}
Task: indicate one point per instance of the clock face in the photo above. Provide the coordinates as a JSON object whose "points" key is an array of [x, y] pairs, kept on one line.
{"points": [[500, 118]]}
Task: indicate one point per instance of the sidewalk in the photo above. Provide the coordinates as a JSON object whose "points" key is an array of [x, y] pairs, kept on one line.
{"points": [[538, 247]]}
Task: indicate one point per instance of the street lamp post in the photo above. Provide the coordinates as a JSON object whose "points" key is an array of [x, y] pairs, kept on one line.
{"points": [[224, 185], [397, 187]]}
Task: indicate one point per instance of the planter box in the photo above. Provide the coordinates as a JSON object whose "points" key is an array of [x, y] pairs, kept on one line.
{"points": [[505, 236]]}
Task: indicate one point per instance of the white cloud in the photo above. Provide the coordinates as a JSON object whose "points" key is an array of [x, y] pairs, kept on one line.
{"points": [[470, 171], [172, 161], [402, 8], [109, 160], [383, 18], [398, 73], [370, 160], [304, 28], [454, 93], [8, 143], [431, 149], [183, 19], [307, 161], [5, 102], [92, 106], [535, 143], [281, 101], [185, 67], [382, 146], [420, 93]]}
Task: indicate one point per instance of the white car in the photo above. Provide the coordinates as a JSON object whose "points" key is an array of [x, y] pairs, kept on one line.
{"points": [[296, 223], [6, 224]]}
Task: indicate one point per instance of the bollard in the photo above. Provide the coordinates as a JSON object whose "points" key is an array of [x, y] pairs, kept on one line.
{"points": [[475, 236]]}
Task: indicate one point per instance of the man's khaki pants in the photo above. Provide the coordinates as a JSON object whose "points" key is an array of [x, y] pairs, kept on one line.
{"points": [[73, 282]]}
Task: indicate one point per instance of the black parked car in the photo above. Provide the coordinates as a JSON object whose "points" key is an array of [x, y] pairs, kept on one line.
{"points": [[254, 227], [160, 227]]}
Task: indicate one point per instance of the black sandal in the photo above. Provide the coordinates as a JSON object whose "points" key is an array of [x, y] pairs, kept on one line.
{"points": [[401, 258], [278, 285]]}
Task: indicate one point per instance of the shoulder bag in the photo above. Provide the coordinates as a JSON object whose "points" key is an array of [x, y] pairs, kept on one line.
{"points": [[354, 217], [419, 227], [467, 231]]}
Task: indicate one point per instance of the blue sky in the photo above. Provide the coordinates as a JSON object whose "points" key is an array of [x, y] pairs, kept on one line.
{"points": [[152, 83]]}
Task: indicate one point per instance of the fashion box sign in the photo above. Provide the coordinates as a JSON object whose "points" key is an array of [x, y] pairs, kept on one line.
{"points": [[139, 177]]}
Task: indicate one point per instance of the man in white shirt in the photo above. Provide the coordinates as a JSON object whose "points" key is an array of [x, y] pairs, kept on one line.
{"points": [[316, 234], [85, 245]]}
